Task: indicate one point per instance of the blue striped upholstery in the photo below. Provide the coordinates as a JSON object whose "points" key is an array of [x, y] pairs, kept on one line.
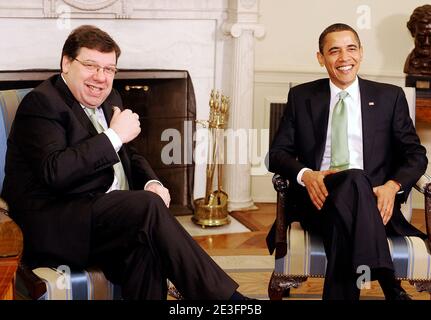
{"points": [[83, 285], [89, 284], [306, 256], [9, 101]]}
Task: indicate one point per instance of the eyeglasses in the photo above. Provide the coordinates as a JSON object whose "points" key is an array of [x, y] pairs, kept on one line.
{"points": [[94, 68]]}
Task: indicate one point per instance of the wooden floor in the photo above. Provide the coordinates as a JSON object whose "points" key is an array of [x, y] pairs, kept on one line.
{"points": [[253, 243]]}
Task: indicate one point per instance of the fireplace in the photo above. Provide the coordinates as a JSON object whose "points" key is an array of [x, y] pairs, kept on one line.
{"points": [[165, 102], [212, 40]]}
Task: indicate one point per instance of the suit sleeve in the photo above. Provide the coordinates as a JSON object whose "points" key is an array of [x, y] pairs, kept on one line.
{"points": [[142, 171], [412, 155], [42, 133], [283, 151]]}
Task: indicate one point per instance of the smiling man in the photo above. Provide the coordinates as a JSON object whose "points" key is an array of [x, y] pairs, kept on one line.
{"points": [[84, 197], [351, 153]]}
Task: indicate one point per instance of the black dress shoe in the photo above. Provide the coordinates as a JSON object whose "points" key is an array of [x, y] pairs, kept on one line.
{"points": [[402, 295], [239, 296], [390, 285], [398, 294]]}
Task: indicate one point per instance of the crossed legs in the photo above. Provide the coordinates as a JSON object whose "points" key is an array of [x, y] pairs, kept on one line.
{"points": [[139, 244]]}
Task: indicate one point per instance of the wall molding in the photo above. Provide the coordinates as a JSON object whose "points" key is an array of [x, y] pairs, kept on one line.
{"points": [[115, 9]]}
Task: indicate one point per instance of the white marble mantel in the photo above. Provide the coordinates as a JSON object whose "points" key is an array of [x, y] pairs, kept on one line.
{"points": [[212, 39]]}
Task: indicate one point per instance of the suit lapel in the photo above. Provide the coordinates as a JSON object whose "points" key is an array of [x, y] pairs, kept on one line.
{"points": [[86, 123], [75, 106], [107, 110], [318, 107], [369, 110]]}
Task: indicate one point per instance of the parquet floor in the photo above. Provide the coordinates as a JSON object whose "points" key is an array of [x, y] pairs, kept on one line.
{"points": [[253, 243]]}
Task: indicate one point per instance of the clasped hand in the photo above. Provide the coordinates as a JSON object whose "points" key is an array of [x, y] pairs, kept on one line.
{"points": [[125, 124], [313, 181], [385, 194], [386, 198], [157, 188]]}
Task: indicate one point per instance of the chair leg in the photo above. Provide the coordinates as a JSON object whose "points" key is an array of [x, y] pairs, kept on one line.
{"points": [[422, 286], [279, 285]]}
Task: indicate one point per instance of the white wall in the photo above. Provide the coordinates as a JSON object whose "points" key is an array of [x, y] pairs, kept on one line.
{"points": [[287, 53], [293, 28], [153, 34]]}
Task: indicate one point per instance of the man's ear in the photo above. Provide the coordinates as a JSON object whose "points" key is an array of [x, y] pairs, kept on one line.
{"points": [[65, 64], [320, 58]]}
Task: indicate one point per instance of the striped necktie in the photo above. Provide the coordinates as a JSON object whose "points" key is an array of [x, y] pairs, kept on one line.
{"points": [[118, 167]]}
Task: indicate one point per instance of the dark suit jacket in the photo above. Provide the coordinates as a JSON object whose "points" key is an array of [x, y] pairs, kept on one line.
{"points": [[56, 163], [391, 147]]}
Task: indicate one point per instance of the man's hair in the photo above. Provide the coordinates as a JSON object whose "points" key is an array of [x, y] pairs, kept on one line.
{"points": [[90, 37], [420, 14], [336, 27]]}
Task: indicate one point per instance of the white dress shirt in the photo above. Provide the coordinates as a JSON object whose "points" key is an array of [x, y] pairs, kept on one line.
{"points": [[354, 128]]}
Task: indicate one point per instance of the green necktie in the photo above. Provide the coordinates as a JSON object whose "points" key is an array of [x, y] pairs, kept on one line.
{"points": [[118, 167], [339, 144]]}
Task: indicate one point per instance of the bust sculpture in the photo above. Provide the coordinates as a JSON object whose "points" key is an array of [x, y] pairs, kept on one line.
{"points": [[419, 60]]}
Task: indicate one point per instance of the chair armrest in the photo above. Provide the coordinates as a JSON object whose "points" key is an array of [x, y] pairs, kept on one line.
{"points": [[11, 241], [423, 185], [11, 247], [428, 210], [422, 182], [280, 185], [11, 244]]}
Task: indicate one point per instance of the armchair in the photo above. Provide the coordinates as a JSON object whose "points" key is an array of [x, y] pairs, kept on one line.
{"points": [[39, 283], [10, 254], [300, 254]]}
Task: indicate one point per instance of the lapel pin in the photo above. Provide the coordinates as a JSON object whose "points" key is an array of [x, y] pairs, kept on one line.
{"points": [[371, 104]]}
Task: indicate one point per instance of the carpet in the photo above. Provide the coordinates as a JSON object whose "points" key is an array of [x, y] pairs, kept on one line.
{"points": [[195, 230], [245, 263]]}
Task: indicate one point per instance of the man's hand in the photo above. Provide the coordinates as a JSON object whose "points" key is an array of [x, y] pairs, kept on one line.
{"points": [[125, 124], [315, 186], [386, 198], [161, 191]]}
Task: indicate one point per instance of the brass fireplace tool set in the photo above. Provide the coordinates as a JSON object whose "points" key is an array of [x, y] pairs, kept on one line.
{"points": [[212, 209]]}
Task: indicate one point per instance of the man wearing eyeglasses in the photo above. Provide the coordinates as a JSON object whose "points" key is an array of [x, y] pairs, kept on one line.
{"points": [[84, 197]]}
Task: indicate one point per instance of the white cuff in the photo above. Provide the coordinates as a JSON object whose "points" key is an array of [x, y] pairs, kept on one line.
{"points": [[114, 138], [299, 176], [151, 181]]}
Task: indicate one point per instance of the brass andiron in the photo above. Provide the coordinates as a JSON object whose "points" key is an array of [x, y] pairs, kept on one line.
{"points": [[211, 210]]}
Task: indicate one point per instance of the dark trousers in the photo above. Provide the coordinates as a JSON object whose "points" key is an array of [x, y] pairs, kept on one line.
{"points": [[139, 244], [352, 231]]}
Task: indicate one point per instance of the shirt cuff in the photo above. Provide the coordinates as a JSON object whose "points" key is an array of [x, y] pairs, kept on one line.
{"points": [[400, 185], [151, 181], [114, 138], [299, 176]]}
